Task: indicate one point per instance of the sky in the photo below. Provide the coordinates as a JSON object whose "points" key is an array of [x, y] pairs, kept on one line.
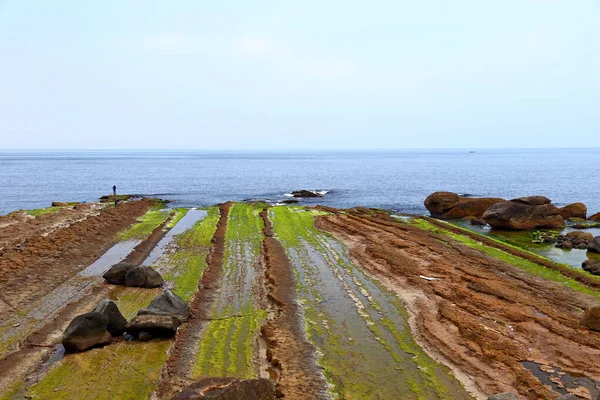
{"points": [[310, 74]]}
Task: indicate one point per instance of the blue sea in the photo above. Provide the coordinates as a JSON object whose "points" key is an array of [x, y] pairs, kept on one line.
{"points": [[398, 180]]}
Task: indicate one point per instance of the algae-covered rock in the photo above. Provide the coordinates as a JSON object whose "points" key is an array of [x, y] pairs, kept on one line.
{"points": [[116, 273], [143, 276], [591, 318], [515, 215], [228, 389], [116, 320], [168, 303], [86, 331]]}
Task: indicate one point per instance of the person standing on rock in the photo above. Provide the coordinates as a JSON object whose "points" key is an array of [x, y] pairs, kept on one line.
{"points": [[114, 190]]}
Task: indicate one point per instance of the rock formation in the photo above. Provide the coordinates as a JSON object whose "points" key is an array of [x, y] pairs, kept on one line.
{"points": [[116, 321], [305, 193], [86, 331], [591, 318], [575, 210], [524, 214], [142, 276], [161, 318], [116, 273], [448, 205], [594, 245], [591, 266], [228, 389]]}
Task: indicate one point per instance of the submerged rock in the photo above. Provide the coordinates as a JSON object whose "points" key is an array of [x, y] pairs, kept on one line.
{"points": [[116, 273], [503, 396], [518, 215], [305, 193], [228, 389], [86, 331], [116, 321], [575, 210], [168, 303], [290, 201], [591, 318], [143, 276], [448, 205], [594, 245], [580, 236]]}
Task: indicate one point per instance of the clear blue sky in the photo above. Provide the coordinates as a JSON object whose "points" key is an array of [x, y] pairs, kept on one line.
{"points": [[299, 74]]}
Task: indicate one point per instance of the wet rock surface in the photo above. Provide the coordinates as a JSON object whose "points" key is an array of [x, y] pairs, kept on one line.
{"points": [[144, 277], [148, 326], [116, 321], [591, 266], [572, 240], [168, 303], [228, 389], [594, 245], [86, 331], [519, 215], [116, 273]]}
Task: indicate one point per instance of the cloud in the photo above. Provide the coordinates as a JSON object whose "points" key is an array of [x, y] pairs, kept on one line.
{"points": [[254, 45]]}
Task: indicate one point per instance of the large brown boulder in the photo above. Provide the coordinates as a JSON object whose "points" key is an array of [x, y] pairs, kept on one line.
{"points": [[228, 389], [591, 318], [591, 266], [513, 215], [594, 245], [595, 217], [449, 205], [575, 210]]}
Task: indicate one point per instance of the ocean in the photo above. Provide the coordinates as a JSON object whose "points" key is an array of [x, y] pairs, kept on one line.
{"points": [[398, 179]]}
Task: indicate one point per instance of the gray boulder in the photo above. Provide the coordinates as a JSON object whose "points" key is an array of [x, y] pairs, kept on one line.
{"points": [[116, 321], [228, 389], [143, 276], [594, 245], [116, 273], [591, 266], [86, 331], [168, 303], [149, 325], [503, 396]]}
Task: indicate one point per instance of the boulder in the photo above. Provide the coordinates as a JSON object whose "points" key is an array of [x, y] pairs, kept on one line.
{"points": [[290, 201], [116, 273], [86, 331], [533, 200], [503, 396], [575, 210], [591, 318], [153, 326], [591, 266], [449, 205], [59, 204], [116, 320], [228, 389], [168, 303], [579, 235], [514, 215], [475, 221], [439, 203], [595, 217], [143, 276], [305, 193], [594, 245]]}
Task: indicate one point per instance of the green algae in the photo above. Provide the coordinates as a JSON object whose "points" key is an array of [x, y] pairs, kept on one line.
{"points": [[130, 300], [527, 265], [226, 347], [364, 343], [145, 225], [126, 370], [188, 262], [41, 211]]}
